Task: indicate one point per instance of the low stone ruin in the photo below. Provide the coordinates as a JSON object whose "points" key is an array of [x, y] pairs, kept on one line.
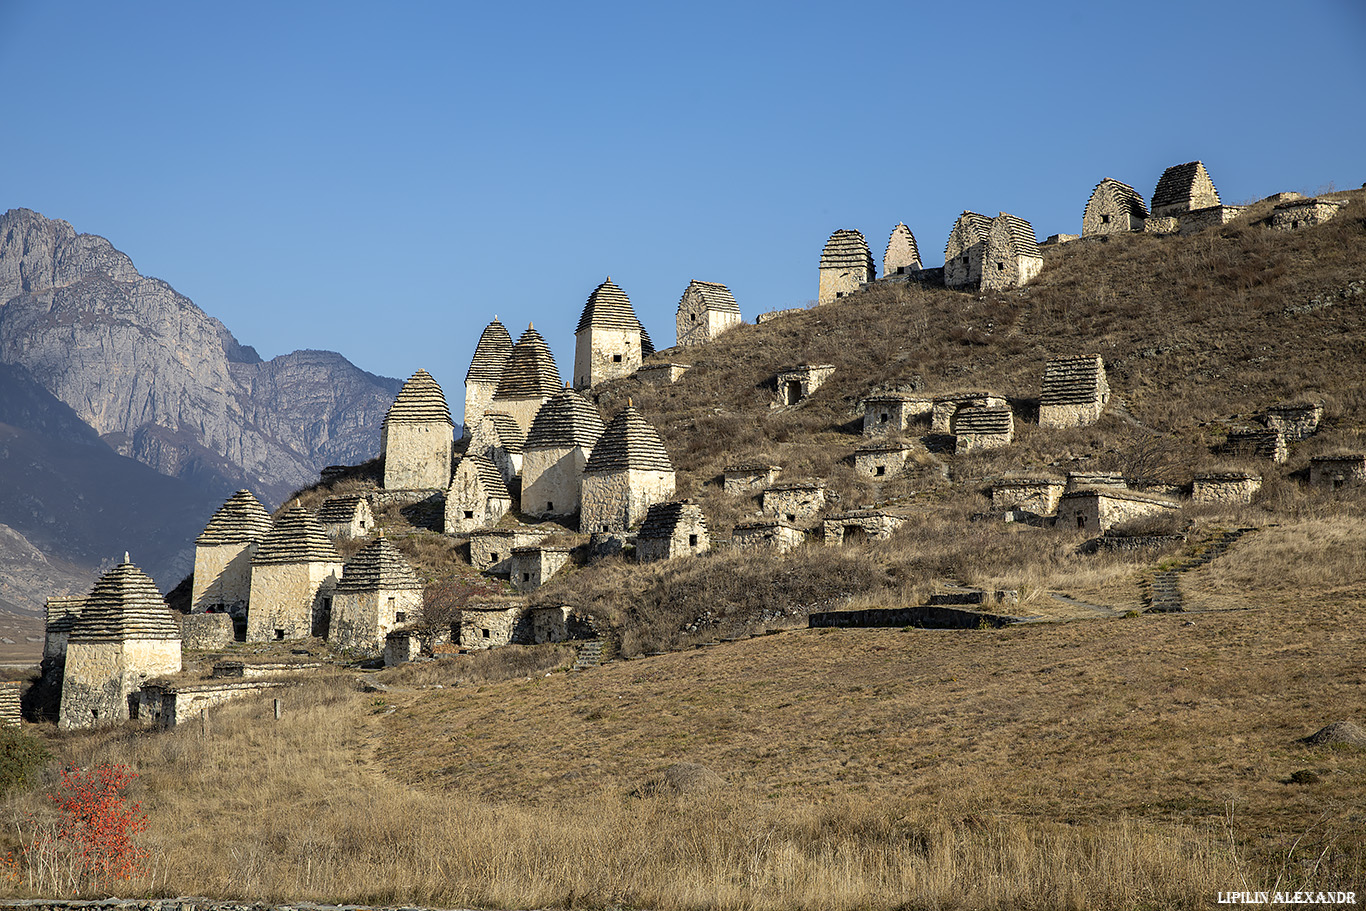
{"points": [[674, 529], [662, 374], [892, 413], [346, 518], [1303, 213], [378, 592], [767, 534], [860, 526], [1333, 471], [983, 428], [745, 479], [1256, 442], [1225, 487], [883, 459], [1075, 391], [798, 501], [1034, 494], [1295, 420], [1184, 188], [533, 566], [1114, 208], [1096, 510], [944, 412], [797, 383], [846, 264], [491, 548], [486, 623]]}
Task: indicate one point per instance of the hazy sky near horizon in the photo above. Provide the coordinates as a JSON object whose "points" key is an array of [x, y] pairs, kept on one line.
{"points": [[381, 179]]}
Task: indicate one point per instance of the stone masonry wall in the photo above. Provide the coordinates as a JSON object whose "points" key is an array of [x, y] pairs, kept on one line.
{"points": [[602, 354], [222, 575], [1040, 498], [696, 324], [287, 597], [1225, 490], [794, 504], [478, 399], [362, 619], [417, 456], [551, 480], [206, 631], [616, 501], [101, 676], [836, 282]]}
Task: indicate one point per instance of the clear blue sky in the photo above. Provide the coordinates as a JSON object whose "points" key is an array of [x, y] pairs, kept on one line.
{"points": [[381, 179]]}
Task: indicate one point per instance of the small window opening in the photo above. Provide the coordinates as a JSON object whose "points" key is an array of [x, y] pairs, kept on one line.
{"points": [[279, 634], [485, 632], [549, 505], [693, 317], [1294, 224], [94, 713], [400, 616], [965, 260], [692, 540], [526, 577], [616, 358], [1105, 219], [880, 470], [494, 556], [791, 517], [1000, 267], [1081, 521], [362, 525], [469, 513]]}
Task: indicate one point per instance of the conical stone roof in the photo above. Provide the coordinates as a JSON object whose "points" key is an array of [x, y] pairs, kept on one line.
{"points": [[297, 537], [901, 250], [1018, 233], [490, 478], [510, 435], [629, 442], [124, 605], [847, 249], [530, 370], [420, 401], [378, 566], [970, 228], [566, 421], [1178, 184], [715, 296], [608, 307], [1122, 197], [240, 520], [491, 354]]}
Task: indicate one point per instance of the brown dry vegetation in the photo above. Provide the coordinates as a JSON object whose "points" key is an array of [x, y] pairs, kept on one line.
{"points": [[1128, 762]]}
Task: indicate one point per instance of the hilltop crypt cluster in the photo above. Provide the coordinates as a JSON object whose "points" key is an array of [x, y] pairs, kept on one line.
{"points": [[539, 447]]}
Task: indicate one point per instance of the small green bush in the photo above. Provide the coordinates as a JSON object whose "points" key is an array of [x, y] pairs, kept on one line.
{"points": [[21, 756]]}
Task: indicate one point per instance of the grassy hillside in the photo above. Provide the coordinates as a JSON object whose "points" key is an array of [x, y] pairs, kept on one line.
{"points": [[1127, 761]]}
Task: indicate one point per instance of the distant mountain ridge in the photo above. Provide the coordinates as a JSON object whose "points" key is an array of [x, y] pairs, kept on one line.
{"points": [[165, 383]]}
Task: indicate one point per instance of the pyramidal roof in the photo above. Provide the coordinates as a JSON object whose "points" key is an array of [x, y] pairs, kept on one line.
{"points": [[662, 519], [420, 401], [1178, 183], [297, 537], [509, 432], [714, 296], [628, 442], [339, 510], [1124, 196], [846, 249], [566, 421], [491, 354], [608, 307], [1019, 234], [378, 566], [973, 226], [124, 604], [901, 249], [490, 478], [530, 370], [240, 520]]}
